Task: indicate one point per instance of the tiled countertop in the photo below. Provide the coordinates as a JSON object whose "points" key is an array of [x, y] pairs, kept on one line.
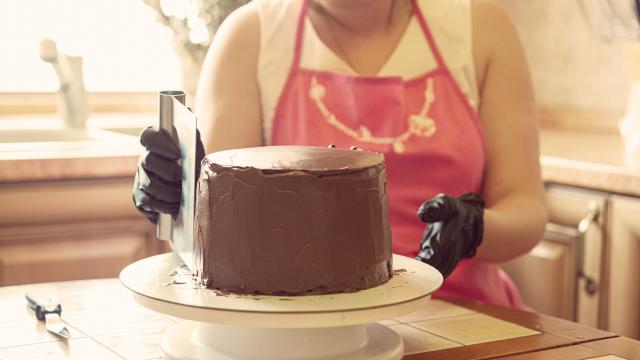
{"points": [[106, 323]]}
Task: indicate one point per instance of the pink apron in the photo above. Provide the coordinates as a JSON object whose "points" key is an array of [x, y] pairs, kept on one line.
{"points": [[430, 136]]}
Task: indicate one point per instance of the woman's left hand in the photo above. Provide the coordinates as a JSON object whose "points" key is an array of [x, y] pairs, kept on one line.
{"points": [[454, 230]]}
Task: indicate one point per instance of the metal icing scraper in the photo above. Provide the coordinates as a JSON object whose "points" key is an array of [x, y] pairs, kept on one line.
{"points": [[48, 309], [178, 120]]}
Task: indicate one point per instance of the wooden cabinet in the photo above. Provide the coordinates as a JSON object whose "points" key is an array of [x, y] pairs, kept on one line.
{"points": [[67, 230], [623, 266], [586, 267], [546, 277], [562, 276]]}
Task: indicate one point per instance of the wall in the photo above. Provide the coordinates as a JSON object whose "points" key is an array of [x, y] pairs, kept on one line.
{"points": [[570, 66]]}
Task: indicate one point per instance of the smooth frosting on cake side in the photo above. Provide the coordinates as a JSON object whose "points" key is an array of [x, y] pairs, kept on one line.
{"points": [[293, 220]]}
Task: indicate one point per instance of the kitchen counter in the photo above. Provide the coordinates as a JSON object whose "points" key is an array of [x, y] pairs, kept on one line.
{"points": [[69, 160], [575, 158], [589, 160], [106, 323], [41, 149]]}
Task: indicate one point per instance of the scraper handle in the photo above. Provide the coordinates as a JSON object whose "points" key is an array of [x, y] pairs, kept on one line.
{"points": [[41, 308], [165, 104]]}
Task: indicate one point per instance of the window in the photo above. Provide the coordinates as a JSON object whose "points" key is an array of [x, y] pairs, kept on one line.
{"points": [[124, 49]]}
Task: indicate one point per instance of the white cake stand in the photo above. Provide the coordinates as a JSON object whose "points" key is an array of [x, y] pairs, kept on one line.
{"points": [[231, 326]]}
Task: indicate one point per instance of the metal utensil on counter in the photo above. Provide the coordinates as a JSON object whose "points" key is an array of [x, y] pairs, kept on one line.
{"points": [[178, 121], [49, 310]]}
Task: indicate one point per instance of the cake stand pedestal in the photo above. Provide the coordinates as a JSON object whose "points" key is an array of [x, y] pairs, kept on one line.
{"points": [[231, 326]]}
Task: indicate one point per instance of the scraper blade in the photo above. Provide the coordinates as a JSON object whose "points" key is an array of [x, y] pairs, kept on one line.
{"points": [[181, 124]]}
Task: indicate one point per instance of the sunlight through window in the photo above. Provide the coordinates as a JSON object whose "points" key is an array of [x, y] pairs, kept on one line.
{"points": [[124, 48]]}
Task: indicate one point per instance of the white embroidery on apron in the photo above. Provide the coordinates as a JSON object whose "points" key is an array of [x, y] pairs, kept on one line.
{"points": [[419, 124]]}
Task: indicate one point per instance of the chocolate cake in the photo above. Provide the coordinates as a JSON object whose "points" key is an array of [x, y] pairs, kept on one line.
{"points": [[293, 220]]}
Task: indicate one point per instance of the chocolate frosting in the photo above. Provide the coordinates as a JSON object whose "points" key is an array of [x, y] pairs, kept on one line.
{"points": [[293, 220], [306, 158]]}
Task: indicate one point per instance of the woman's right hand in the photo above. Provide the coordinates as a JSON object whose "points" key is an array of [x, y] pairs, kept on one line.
{"points": [[158, 182], [228, 108]]}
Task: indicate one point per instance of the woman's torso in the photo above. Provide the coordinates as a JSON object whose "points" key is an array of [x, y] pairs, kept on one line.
{"points": [[419, 111], [450, 23]]}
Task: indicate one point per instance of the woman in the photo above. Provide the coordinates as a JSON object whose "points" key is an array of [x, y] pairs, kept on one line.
{"points": [[441, 87]]}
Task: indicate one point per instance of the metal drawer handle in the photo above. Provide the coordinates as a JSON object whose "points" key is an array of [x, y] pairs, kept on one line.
{"points": [[590, 218], [593, 211]]}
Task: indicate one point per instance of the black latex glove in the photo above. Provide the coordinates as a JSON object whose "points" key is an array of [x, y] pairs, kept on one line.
{"points": [[454, 230], [158, 182]]}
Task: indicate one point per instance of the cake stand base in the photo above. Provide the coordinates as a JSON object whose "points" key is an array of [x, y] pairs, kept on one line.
{"points": [[234, 326], [190, 340]]}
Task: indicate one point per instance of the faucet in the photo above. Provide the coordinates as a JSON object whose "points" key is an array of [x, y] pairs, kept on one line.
{"points": [[72, 96]]}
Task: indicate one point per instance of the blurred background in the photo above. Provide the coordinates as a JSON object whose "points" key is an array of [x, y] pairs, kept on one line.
{"points": [[79, 79]]}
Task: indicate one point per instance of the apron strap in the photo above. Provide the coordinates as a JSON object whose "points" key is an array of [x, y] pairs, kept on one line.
{"points": [[428, 35], [297, 50], [416, 10]]}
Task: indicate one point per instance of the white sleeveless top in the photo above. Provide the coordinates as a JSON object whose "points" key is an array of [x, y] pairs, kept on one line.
{"points": [[448, 20]]}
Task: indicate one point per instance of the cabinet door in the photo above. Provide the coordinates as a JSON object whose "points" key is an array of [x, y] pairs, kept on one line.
{"points": [[624, 266], [68, 230], [48, 202], [568, 261], [553, 261], [72, 251]]}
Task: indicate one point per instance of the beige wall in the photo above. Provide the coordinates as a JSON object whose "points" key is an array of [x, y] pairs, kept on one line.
{"points": [[570, 66]]}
